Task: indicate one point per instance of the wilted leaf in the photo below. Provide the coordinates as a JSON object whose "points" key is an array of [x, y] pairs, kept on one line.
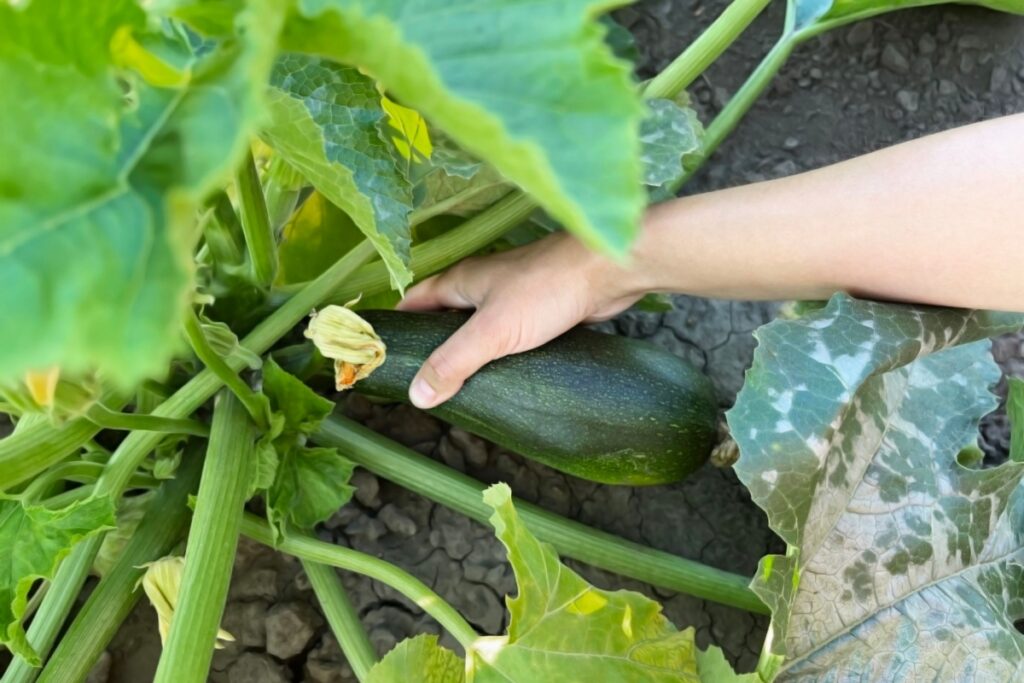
{"points": [[34, 540], [324, 122], [562, 628], [903, 563], [537, 93], [418, 659], [103, 178]]}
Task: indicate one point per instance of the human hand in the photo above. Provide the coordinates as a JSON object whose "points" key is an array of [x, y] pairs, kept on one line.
{"points": [[523, 298]]}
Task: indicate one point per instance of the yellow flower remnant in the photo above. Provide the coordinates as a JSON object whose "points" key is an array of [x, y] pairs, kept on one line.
{"points": [[162, 583], [42, 386], [341, 335]]}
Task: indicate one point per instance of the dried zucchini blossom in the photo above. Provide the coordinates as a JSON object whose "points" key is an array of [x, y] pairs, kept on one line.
{"points": [[162, 583], [341, 335]]}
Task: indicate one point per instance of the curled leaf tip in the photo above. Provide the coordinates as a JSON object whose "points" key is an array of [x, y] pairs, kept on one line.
{"points": [[339, 333], [162, 583]]}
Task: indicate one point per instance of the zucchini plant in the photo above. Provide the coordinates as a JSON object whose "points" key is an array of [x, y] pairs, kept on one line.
{"points": [[187, 180]]}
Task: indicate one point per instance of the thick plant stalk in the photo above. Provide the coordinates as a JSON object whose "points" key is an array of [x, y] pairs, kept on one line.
{"points": [[685, 68], [109, 604], [212, 540], [306, 548], [33, 448], [259, 234], [133, 450], [463, 494], [342, 617]]}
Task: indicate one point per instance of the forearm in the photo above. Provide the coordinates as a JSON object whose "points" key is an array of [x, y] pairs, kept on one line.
{"points": [[932, 221]]}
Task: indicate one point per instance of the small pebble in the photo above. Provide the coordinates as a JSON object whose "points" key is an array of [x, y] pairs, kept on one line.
{"points": [[909, 100], [893, 60]]}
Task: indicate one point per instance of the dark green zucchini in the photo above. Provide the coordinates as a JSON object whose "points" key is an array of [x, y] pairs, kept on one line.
{"points": [[598, 406]]}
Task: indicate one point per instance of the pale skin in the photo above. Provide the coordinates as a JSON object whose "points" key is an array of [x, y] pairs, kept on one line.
{"points": [[933, 221]]}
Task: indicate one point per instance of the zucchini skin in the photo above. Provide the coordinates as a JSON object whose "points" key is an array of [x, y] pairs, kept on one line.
{"points": [[601, 407]]}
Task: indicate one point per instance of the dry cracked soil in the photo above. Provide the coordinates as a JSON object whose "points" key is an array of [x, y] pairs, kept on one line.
{"points": [[849, 92]]}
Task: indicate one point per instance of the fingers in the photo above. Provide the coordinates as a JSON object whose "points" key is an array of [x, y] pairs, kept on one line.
{"points": [[479, 341], [439, 291]]}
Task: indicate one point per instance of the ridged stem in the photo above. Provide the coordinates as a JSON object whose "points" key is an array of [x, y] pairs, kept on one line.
{"points": [[259, 235], [212, 541], [463, 494], [722, 33], [115, 595], [342, 617]]}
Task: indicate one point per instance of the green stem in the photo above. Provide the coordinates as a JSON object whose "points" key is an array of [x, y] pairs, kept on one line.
{"points": [[312, 550], [733, 112], [685, 68], [259, 235], [342, 617], [282, 187], [81, 471], [110, 419], [37, 446], [216, 363], [442, 251], [115, 595], [219, 236], [463, 494], [131, 452], [212, 540], [422, 215]]}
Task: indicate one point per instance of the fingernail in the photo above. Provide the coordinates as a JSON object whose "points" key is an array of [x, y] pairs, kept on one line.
{"points": [[422, 394]]}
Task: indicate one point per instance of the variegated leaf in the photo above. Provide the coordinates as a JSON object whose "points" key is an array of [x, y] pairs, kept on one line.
{"points": [[904, 565]]}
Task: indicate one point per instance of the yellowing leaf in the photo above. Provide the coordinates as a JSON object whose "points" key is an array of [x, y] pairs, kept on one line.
{"points": [[413, 135], [127, 52]]}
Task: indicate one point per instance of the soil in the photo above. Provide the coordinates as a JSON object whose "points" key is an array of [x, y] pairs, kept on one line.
{"points": [[844, 94]]}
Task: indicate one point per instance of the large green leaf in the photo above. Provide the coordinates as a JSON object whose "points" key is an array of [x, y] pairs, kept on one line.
{"points": [[562, 628], [806, 14], [528, 86], [325, 122], [104, 173], [903, 563], [669, 132], [418, 659], [34, 540]]}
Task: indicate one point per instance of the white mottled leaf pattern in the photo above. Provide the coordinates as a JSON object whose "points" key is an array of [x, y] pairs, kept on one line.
{"points": [[904, 565], [667, 134]]}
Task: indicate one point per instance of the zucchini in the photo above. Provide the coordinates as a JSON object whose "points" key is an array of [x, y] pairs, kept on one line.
{"points": [[598, 406]]}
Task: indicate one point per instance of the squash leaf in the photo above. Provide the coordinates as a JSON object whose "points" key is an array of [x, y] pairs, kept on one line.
{"points": [[670, 132], [110, 159], [418, 659], [317, 235], [563, 628], [303, 486], [902, 562], [325, 121], [35, 539], [567, 136], [809, 14]]}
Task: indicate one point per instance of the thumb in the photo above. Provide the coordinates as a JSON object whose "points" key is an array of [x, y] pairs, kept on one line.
{"points": [[479, 341]]}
